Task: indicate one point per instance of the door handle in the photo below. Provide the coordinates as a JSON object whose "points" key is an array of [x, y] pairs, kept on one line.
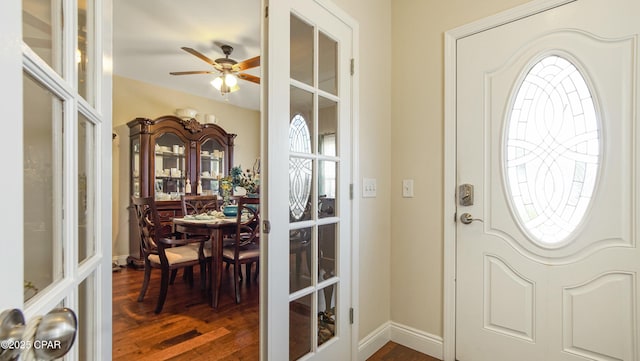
{"points": [[54, 333], [467, 218]]}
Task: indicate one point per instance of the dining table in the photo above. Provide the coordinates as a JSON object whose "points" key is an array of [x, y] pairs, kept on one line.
{"points": [[215, 227]]}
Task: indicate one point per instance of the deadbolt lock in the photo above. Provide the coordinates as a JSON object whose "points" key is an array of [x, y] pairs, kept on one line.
{"points": [[465, 194]]}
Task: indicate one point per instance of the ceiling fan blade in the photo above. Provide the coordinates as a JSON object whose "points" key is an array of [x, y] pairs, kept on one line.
{"points": [[192, 72], [249, 77], [247, 64], [200, 56]]}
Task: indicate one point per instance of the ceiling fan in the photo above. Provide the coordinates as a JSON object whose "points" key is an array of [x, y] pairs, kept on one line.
{"points": [[228, 69]]}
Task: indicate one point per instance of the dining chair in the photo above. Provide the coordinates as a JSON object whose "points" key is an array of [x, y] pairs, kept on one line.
{"points": [[165, 251], [246, 246], [198, 204]]}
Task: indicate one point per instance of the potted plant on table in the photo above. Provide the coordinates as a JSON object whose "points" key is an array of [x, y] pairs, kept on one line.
{"points": [[248, 179]]}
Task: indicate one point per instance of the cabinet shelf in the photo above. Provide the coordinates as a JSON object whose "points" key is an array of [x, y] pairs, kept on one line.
{"points": [[209, 156], [168, 177], [170, 154]]}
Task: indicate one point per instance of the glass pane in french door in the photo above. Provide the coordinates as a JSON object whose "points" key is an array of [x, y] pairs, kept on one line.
{"points": [[300, 258], [327, 126], [327, 186], [300, 326], [301, 53], [43, 166], [302, 120], [327, 238], [85, 53], [86, 188], [86, 312], [328, 64], [42, 27], [300, 189], [301, 147], [326, 314]]}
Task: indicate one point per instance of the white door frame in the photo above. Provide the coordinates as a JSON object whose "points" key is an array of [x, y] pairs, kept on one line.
{"points": [[450, 161], [12, 206]]}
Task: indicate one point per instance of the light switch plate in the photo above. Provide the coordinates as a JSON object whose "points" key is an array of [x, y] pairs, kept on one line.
{"points": [[407, 188], [369, 188]]}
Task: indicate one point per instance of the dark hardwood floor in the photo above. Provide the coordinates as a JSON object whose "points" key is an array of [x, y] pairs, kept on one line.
{"points": [[188, 329], [395, 352]]}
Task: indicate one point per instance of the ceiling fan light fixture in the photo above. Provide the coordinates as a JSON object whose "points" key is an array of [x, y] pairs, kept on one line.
{"points": [[226, 83], [230, 80], [217, 83]]}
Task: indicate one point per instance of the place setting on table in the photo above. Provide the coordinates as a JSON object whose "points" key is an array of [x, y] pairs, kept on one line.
{"points": [[209, 216]]}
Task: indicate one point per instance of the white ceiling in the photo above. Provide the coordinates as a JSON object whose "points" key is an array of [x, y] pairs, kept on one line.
{"points": [[148, 35]]}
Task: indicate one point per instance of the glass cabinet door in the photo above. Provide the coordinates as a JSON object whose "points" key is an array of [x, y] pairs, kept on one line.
{"points": [[212, 166], [135, 167], [169, 167]]}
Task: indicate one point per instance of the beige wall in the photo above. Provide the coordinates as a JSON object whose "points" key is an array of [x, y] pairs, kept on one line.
{"points": [[133, 99], [374, 61], [417, 114]]}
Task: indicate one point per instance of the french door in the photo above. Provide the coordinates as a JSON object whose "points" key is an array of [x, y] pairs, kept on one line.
{"points": [[57, 211], [309, 85], [547, 164]]}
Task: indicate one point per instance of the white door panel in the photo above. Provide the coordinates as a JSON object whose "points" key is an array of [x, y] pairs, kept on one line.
{"points": [[519, 297], [310, 95]]}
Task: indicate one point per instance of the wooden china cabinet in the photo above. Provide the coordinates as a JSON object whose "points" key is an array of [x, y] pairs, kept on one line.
{"points": [[169, 154]]}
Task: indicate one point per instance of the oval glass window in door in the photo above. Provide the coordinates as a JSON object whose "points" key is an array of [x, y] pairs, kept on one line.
{"points": [[552, 150], [300, 169]]}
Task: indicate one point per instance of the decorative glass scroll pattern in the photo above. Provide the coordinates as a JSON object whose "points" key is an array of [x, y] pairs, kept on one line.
{"points": [[299, 168], [552, 150]]}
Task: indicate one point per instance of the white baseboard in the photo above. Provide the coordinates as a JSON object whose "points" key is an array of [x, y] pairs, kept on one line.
{"points": [[374, 341], [421, 341], [120, 260]]}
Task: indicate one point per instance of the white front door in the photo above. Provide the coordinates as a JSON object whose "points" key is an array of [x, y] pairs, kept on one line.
{"points": [[309, 169], [547, 255], [56, 91]]}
